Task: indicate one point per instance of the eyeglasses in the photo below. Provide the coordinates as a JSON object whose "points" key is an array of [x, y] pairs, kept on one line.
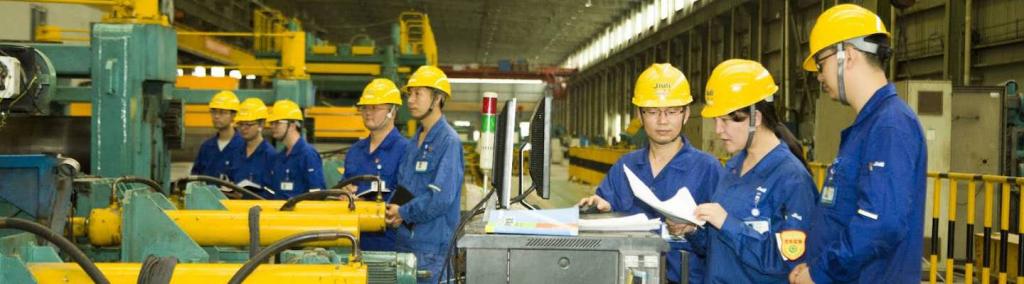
{"points": [[655, 112], [372, 108], [819, 59], [248, 124]]}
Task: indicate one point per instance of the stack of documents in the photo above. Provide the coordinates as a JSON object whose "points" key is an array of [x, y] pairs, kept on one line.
{"points": [[635, 223], [551, 222]]}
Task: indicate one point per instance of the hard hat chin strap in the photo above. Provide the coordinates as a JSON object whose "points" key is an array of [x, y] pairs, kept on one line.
{"points": [[841, 59], [751, 128]]}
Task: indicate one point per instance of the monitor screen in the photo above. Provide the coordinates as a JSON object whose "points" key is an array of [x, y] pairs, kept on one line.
{"points": [[503, 148], [540, 144]]}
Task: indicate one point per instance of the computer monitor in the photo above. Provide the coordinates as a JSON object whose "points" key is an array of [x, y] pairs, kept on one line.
{"points": [[540, 144], [503, 148]]}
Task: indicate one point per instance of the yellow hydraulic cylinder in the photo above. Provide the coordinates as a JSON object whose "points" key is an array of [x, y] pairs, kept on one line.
{"points": [[206, 273], [228, 228], [368, 211]]}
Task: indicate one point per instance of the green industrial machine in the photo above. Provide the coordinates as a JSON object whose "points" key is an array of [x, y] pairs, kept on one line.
{"points": [[127, 73]]}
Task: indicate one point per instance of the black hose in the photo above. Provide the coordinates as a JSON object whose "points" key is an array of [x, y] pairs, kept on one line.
{"points": [[180, 184], [279, 246], [254, 231], [157, 270], [359, 178], [63, 244], [153, 185], [318, 195]]}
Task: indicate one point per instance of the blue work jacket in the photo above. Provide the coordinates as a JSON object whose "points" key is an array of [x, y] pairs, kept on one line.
{"points": [[382, 162], [433, 173], [697, 171], [296, 172], [869, 225], [255, 168], [214, 162], [776, 195]]}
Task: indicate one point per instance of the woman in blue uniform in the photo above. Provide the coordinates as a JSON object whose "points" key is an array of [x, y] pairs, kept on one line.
{"points": [[758, 216]]}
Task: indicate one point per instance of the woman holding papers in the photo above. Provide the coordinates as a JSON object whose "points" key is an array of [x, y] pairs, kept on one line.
{"points": [[667, 165], [756, 226]]}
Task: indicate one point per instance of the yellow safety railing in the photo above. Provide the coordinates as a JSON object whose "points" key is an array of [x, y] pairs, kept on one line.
{"points": [[990, 256]]}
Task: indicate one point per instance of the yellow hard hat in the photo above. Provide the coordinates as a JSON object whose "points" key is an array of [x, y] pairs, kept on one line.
{"points": [[224, 100], [662, 85], [380, 91], [735, 84], [252, 109], [429, 76], [840, 23], [285, 109]]}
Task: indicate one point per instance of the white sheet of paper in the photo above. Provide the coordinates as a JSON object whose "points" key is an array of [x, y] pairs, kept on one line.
{"points": [[635, 223], [678, 208]]}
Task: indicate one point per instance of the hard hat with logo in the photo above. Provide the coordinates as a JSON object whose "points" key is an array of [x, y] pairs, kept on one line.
{"points": [[252, 109], [662, 85], [285, 110], [224, 100], [430, 76], [380, 91], [736, 84], [841, 23]]}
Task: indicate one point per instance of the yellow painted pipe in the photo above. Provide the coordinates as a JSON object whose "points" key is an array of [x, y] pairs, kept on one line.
{"points": [[371, 213], [227, 228], [128, 273], [953, 183], [972, 188], [933, 259]]}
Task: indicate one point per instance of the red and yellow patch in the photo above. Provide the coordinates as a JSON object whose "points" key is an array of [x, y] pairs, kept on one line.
{"points": [[792, 244]]}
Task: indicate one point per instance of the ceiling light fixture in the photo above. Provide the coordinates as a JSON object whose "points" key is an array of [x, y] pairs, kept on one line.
{"points": [[588, 4], [494, 81]]}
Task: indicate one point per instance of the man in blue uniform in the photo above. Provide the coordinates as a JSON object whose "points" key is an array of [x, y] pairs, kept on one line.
{"points": [[253, 170], [218, 154], [869, 225], [668, 163], [379, 154], [298, 169], [432, 171]]}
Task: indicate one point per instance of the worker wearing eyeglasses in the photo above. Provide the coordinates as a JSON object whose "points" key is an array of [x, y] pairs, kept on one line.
{"points": [[869, 222], [669, 163]]}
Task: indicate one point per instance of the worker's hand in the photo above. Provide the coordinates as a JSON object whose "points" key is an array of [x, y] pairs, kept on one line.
{"points": [[230, 193], [348, 188], [392, 216], [679, 229], [595, 201], [712, 213], [801, 274]]}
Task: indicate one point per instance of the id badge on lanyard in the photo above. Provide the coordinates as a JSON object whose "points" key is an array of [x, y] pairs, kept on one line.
{"points": [[287, 184], [421, 163], [828, 191], [755, 221]]}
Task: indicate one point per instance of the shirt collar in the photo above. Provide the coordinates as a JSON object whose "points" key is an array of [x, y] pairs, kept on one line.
{"points": [[436, 130], [300, 145], [763, 167], [677, 160], [881, 95]]}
